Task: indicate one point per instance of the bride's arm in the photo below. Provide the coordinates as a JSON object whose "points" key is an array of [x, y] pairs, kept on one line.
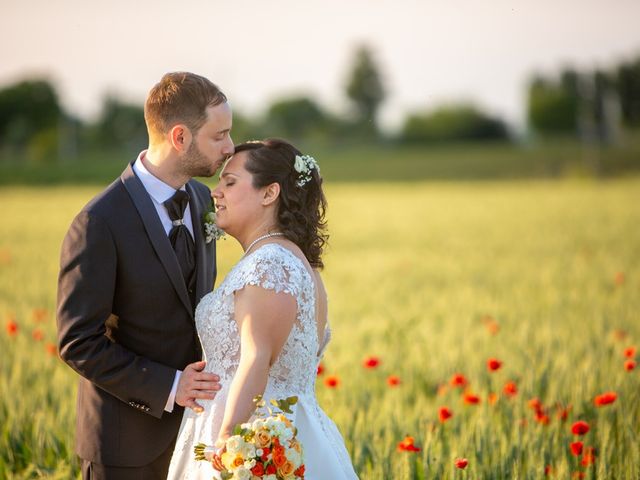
{"points": [[265, 319]]}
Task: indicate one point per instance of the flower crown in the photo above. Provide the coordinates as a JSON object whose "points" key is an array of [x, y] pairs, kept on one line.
{"points": [[303, 165]]}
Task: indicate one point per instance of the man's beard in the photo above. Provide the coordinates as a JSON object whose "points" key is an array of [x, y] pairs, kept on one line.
{"points": [[195, 164]]}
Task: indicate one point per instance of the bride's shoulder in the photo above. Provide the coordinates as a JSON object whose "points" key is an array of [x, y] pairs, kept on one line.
{"points": [[274, 253], [272, 266]]}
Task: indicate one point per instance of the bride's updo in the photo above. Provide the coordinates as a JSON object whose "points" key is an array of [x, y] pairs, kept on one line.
{"points": [[302, 204]]}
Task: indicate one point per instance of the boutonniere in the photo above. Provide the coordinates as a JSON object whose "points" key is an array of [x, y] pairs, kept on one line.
{"points": [[211, 230]]}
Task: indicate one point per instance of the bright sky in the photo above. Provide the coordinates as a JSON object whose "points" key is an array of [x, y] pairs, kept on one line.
{"points": [[431, 51]]}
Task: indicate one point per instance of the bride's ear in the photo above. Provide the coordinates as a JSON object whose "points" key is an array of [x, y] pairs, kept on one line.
{"points": [[271, 194]]}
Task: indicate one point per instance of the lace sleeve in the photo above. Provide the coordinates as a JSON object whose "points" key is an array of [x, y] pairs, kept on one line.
{"points": [[270, 269]]}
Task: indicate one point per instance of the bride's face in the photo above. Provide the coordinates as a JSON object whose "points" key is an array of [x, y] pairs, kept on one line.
{"points": [[238, 202]]}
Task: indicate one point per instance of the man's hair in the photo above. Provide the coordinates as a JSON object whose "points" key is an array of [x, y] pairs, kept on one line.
{"points": [[180, 97]]}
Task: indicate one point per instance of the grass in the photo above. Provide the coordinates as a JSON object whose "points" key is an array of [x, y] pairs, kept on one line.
{"points": [[412, 270], [382, 162]]}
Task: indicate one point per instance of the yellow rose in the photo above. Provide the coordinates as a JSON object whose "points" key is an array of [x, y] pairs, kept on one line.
{"points": [[231, 460]]}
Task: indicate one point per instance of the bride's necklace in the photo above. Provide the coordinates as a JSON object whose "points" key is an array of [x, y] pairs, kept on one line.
{"points": [[268, 235]]}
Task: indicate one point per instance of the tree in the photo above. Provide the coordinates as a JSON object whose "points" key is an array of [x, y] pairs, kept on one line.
{"points": [[628, 87], [26, 109], [120, 125], [295, 117], [453, 123], [365, 89], [553, 106]]}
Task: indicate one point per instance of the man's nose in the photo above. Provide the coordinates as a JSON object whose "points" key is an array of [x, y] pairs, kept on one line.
{"points": [[230, 148]]}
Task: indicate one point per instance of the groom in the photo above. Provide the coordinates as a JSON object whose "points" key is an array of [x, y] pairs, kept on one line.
{"points": [[134, 265]]}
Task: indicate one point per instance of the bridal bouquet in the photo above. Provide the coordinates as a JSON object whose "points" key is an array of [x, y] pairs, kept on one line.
{"points": [[265, 449]]}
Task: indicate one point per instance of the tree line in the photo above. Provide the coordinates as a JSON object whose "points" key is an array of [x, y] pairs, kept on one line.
{"points": [[590, 106]]}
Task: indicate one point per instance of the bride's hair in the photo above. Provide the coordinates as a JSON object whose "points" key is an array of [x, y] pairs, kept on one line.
{"points": [[301, 208]]}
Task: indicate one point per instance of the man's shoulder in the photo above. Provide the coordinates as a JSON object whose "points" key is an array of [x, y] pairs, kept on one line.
{"points": [[108, 201]]}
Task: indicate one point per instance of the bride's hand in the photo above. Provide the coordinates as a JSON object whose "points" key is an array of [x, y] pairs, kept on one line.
{"points": [[216, 459]]}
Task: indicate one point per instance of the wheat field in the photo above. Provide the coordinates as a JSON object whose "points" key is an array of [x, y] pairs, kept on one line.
{"points": [[425, 281]]}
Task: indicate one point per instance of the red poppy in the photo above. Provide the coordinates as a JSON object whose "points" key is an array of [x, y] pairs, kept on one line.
{"points": [[535, 404], [548, 470], [630, 352], [629, 365], [37, 335], [371, 362], [619, 334], [542, 418], [580, 428], [407, 445], [490, 324], [471, 399], [510, 389], [605, 399], [589, 457], [332, 381], [578, 474], [576, 448], [493, 364], [442, 389], [461, 463], [320, 369], [51, 349], [393, 380], [12, 327], [445, 414], [39, 314], [458, 380], [563, 412], [492, 398]]}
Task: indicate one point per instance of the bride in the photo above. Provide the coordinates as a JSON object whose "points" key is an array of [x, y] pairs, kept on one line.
{"points": [[264, 329]]}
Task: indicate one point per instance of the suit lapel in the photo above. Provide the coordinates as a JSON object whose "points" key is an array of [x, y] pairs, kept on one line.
{"points": [[156, 233], [198, 208]]}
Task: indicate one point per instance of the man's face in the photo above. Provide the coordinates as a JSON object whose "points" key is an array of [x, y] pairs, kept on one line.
{"points": [[211, 145]]}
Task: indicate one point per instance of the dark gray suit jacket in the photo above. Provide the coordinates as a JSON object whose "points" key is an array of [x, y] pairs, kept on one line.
{"points": [[125, 320]]}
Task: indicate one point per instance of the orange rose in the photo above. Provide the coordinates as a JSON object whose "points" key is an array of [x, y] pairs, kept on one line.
{"points": [[262, 439], [286, 469]]}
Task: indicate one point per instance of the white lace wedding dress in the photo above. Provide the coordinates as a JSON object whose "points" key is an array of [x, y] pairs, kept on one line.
{"points": [[276, 268]]}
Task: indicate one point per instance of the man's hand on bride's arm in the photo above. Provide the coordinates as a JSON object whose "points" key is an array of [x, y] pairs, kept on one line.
{"points": [[195, 384]]}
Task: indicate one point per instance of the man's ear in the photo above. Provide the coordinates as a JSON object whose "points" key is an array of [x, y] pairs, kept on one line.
{"points": [[271, 193], [180, 137]]}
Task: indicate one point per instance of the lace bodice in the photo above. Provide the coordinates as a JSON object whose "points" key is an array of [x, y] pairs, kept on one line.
{"points": [[276, 268]]}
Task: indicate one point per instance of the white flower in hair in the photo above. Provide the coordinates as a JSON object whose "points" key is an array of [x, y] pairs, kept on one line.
{"points": [[303, 165]]}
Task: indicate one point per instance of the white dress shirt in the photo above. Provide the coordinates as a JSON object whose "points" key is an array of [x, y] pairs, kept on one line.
{"points": [[159, 193]]}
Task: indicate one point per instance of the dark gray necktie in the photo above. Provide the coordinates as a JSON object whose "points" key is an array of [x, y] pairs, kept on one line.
{"points": [[181, 240]]}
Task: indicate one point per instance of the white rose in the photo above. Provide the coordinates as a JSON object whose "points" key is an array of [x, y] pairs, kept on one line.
{"points": [[247, 450], [242, 473], [293, 456], [234, 444]]}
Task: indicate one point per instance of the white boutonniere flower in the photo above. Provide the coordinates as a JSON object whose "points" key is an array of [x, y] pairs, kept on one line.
{"points": [[211, 230]]}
